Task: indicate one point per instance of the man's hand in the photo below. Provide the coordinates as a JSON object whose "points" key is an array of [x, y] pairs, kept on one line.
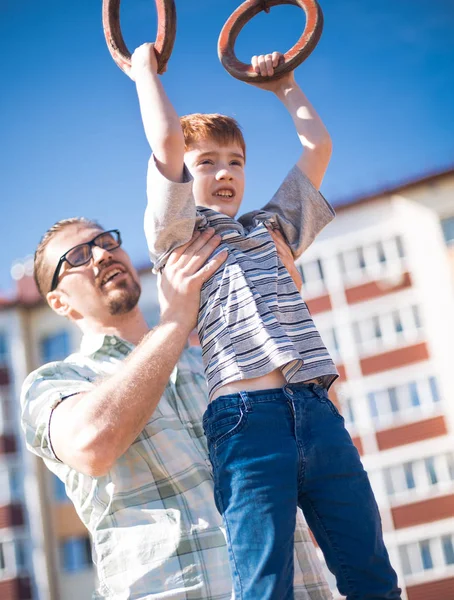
{"points": [[143, 59], [91, 430], [286, 256], [182, 278], [264, 64]]}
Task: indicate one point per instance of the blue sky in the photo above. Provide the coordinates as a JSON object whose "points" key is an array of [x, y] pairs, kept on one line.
{"points": [[382, 79]]}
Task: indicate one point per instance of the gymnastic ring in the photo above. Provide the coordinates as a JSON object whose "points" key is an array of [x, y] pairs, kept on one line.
{"points": [[165, 37], [292, 58]]}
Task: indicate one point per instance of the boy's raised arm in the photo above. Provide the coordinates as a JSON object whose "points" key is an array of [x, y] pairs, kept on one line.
{"points": [[161, 122], [313, 135]]}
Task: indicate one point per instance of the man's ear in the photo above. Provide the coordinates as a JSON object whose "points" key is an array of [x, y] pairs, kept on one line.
{"points": [[58, 301]]}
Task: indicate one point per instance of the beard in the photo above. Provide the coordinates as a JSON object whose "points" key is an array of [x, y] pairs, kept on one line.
{"points": [[125, 299]]}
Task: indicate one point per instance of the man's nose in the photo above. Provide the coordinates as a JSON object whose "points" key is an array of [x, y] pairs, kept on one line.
{"points": [[100, 255]]}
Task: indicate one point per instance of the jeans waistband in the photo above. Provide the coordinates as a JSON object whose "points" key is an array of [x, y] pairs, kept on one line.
{"points": [[271, 395]]}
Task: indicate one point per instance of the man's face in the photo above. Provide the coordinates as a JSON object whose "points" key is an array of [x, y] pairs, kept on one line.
{"points": [[107, 285], [218, 173]]}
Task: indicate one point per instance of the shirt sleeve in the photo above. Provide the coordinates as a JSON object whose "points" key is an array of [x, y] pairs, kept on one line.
{"points": [[42, 392], [298, 209], [170, 216]]}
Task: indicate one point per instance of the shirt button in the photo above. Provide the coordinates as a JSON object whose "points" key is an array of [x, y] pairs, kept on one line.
{"points": [[113, 341]]}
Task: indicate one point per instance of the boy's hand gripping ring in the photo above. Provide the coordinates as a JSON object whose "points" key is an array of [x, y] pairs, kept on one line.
{"points": [[292, 58], [165, 37]]}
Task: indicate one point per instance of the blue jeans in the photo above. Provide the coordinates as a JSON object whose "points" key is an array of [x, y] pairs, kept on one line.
{"points": [[274, 450]]}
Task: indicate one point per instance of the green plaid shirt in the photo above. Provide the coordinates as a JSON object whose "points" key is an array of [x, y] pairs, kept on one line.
{"points": [[155, 529]]}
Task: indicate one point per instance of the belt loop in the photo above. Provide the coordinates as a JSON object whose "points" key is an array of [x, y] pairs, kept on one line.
{"points": [[246, 402], [319, 391]]}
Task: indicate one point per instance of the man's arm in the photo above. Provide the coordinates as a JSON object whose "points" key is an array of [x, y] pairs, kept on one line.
{"points": [[90, 431], [313, 135], [161, 122]]}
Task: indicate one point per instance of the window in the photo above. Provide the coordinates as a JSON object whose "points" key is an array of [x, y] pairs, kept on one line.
{"points": [[381, 253], [361, 260], [352, 260], [434, 389], [427, 554], [342, 265], [312, 274], [387, 330], [12, 557], [420, 475], [55, 347], [448, 229], [388, 482], [397, 322], [357, 333], [377, 327], [403, 402], [405, 560], [329, 338], [347, 411], [373, 260], [430, 468], [400, 247], [416, 317], [450, 461], [414, 397], [3, 349], [15, 482], [392, 393], [76, 554], [409, 477], [10, 484], [448, 549], [373, 405], [21, 554]]}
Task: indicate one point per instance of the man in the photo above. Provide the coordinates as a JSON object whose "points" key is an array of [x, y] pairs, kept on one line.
{"points": [[120, 422]]}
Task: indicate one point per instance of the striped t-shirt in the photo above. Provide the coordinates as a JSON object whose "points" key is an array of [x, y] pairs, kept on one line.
{"points": [[252, 319]]}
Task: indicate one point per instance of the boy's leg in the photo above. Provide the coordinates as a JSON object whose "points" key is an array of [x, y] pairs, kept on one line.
{"points": [[337, 499], [255, 464]]}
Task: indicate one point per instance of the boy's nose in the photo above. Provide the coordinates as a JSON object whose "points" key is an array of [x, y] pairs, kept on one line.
{"points": [[224, 174]]}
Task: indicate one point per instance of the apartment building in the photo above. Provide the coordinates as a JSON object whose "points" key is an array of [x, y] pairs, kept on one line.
{"points": [[379, 283]]}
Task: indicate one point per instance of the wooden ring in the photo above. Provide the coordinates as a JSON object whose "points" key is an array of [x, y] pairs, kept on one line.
{"points": [[165, 37], [292, 58]]}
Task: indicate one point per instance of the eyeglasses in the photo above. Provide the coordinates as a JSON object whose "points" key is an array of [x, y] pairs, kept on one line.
{"points": [[83, 253]]}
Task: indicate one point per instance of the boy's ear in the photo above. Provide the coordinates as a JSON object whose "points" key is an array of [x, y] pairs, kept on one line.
{"points": [[58, 302]]}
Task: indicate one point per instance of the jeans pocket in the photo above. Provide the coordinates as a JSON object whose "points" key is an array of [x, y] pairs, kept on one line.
{"points": [[334, 409], [223, 425], [324, 400]]}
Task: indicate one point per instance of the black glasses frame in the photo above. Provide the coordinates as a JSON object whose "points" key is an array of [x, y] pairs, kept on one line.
{"points": [[90, 244]]}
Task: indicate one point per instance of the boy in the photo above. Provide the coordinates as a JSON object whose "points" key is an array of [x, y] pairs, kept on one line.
{"points": [[276, 441]]}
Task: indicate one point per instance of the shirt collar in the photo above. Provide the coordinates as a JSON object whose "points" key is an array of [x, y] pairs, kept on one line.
{"points": [[93, 342]]}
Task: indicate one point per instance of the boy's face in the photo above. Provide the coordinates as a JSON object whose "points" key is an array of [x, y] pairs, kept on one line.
{"points": [[218, 173]]}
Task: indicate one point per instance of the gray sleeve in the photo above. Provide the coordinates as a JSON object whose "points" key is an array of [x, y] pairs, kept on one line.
{"points": [[298, 209], [170, 216], [42, 392]]}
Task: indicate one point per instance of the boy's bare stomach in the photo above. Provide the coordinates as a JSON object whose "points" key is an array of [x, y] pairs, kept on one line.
{"points": [[272, 380]]}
